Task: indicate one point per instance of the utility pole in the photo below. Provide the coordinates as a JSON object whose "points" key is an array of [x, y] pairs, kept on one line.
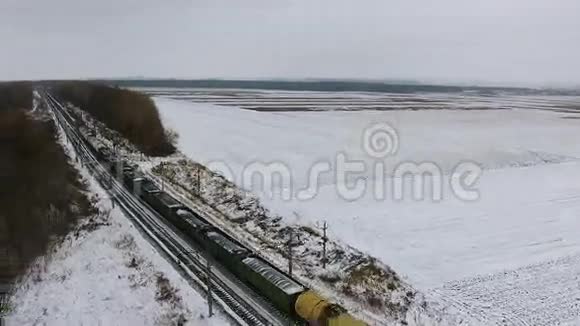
{"points": [[209, 295], [197, 185], [198, 181], [290, 253], [324, 241], [162, 167]]}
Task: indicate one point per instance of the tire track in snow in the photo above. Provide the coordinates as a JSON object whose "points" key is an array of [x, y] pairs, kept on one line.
{"points": [[543, 294]]}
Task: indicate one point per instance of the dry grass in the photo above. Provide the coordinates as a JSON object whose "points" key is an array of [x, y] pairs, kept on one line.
{"points": [[165, 291]]}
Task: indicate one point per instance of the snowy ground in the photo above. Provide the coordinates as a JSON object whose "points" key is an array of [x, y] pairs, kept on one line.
{"points": [[267, 100], [511, 257], [109, 276]]}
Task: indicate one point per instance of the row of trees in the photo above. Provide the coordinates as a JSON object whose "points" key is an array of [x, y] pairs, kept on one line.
{"points": [[132, 114], [15, 95], [41, 195]]}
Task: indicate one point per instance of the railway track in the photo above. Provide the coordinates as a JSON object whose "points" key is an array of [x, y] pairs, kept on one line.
{"points": [[240, 302]]}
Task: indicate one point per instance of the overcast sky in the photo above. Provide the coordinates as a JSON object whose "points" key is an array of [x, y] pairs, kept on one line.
{"points": [[498, 41]]}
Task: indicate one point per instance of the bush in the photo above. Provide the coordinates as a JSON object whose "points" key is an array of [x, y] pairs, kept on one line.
{"points": [[132, 114], [41, 196]]}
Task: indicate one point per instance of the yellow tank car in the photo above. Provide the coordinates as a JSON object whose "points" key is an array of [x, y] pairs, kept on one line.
{"points": [[312, 307], [344, 320], [318, 311]]}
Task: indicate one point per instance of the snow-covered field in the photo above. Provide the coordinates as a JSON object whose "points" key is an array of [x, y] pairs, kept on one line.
{"points": [[272, 101], [510, 257]]}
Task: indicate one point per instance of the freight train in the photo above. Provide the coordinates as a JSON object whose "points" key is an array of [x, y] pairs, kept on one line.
{"points": [[282, 291]]}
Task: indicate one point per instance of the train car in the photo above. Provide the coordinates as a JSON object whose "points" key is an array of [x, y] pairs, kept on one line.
{"points": [[138, 185], [224, 250], [118, 167], [281, 290], [163, 204], [149, 187], [183, 218], [146, 189], [190, 223], [315, 309], [129, 176], [132, 179]]}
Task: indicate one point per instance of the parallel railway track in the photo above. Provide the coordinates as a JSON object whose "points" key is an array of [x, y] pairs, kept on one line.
{"points": [[239, 301]]}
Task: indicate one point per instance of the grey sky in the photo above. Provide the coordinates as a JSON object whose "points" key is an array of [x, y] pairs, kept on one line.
{"points": [[504, 41]]}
